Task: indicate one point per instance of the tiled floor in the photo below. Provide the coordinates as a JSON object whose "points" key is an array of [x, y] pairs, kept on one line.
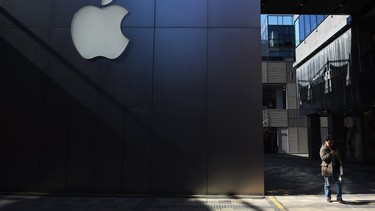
{"points": [[195, 203], [317, 202], [212, 203], [292, 183]]}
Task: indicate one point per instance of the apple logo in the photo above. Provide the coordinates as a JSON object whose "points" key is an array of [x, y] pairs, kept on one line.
{"points": [[97, 31]]}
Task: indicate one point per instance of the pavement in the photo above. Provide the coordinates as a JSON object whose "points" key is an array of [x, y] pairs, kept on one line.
{"points": [[291, 183], [295, 182]]}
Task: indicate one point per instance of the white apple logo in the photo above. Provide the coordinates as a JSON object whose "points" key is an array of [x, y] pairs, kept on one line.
{"points": [[97, 31]]}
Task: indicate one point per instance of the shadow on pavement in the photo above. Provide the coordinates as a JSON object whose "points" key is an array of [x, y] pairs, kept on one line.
{"points": [[360, 202], [295, 175], [125, 202]]}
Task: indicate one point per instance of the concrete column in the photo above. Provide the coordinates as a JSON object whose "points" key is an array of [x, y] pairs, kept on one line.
{"points": [[314, 139], [337, 130]]}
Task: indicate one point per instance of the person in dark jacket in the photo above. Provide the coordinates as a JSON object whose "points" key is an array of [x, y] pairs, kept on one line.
{"points": [[331, 168]]}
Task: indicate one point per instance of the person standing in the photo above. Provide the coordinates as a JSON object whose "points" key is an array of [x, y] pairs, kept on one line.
{"points": [[331, 168]]}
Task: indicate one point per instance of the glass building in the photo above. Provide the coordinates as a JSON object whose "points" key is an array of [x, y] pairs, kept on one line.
{"points": [[284, 130], [278, 37]]}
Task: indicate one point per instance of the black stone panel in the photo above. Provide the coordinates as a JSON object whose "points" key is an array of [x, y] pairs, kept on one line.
{"points": [[238, 13], [71, 81], [181, 13], [314, 136], [52, 173], [235, 162], [180, 111], [62, 11], [128, 81], [23, 13], [5, 150], [205, 124], [140, 12], [20, 143], [81, 151], [109, 151], [21, 83], [137, 151]]}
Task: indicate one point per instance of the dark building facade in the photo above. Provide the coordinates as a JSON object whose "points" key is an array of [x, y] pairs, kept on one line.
{"points": [[179, 112], [334, 82]]}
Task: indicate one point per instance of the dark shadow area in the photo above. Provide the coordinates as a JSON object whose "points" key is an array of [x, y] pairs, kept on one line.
{"points": [[60, 58], [20, 95], [126, 202], [173, 157], [78, 202], [291, 175], [141, 125], [77, 156], [295, 175], [359, 202]]}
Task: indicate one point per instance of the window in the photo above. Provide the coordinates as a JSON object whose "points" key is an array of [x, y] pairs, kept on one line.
{"points": [[320, 18], [313, 22], [307, 25], [280, 37], [279, 20], [296, 28], [302, 28], [272, 20], [274, 96], [274, 34], [287, 20]]}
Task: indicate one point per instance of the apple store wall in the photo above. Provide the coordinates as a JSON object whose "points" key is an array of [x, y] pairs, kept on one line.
{"points": [[131, 96]]}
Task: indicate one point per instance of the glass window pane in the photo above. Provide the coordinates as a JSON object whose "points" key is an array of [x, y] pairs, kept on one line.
{"points": [[301, 28], [274, 34], [313, 22], [296, 31], [280, 20], [288, 20], [265, 49], [307, 25], [272, 20], [320, 18]]}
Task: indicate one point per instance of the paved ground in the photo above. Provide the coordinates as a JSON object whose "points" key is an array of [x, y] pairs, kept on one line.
{"points": [[199, 203], [291, 183], [295, 175], [296, 184]]}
